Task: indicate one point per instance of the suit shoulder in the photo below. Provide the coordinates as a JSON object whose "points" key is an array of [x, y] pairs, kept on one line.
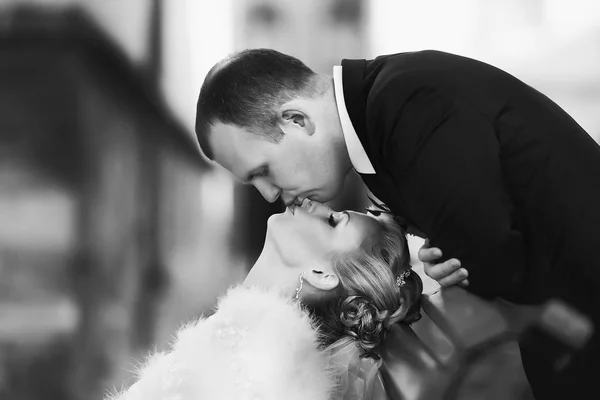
{"points": [[403, 82], [407, 100], [401, 76]]}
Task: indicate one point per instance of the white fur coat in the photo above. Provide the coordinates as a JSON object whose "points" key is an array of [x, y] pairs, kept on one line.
{"points": [[257, 345]]}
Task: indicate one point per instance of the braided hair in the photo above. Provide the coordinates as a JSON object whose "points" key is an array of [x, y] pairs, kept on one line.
{"points": [[371, 301]]}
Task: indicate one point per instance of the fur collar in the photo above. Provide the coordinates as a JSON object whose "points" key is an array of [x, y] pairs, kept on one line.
{"points": [[257, 345]]}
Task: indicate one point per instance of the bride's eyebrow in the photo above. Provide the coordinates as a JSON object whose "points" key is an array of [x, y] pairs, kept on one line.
{"points": [[348, 215]]}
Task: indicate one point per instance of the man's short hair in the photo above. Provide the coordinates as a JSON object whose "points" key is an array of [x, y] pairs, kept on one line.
{"points": [[246, 89]]}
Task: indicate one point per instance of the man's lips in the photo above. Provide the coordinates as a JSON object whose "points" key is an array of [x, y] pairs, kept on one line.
{"points": [[298, 201]]}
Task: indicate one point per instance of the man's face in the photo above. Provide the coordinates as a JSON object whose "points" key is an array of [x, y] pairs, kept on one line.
{"points": [[300, 166]]}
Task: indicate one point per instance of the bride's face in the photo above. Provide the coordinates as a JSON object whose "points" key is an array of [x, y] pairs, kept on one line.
{"points": [[313, 233]]}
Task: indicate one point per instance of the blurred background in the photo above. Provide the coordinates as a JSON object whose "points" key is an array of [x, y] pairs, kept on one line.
{"points": [[113, 228]]}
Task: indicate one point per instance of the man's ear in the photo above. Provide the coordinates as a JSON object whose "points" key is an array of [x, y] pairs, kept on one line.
{"points": [[292, 118]]}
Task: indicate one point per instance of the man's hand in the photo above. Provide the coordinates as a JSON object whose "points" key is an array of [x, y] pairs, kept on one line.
{"points": [[447, 273]]}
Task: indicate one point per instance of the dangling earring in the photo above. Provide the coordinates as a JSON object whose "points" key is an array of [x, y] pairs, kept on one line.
{"points": [[299, 288]]}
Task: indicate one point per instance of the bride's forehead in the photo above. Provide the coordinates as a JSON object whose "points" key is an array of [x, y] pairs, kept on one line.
{"points": [[364, 216], [365, 223]]}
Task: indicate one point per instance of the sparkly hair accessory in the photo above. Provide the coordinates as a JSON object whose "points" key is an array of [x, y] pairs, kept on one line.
{"points": [[400, 280]]}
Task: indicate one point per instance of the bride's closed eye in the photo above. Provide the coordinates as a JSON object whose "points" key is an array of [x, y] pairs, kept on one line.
{"points": [[331, 221]]}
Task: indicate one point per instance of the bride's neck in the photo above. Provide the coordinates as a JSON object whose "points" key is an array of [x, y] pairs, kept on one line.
{"points": [[267, 271], [267, 258]]}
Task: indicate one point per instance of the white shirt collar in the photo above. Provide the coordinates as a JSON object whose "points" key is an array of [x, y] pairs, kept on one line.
{"points": [[358, 156]]}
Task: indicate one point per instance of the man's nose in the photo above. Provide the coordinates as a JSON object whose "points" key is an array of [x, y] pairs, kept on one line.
{"points": [[270, 192]]}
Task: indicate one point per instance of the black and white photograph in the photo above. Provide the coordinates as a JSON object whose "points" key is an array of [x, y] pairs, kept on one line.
{"points": [[299, 200]]}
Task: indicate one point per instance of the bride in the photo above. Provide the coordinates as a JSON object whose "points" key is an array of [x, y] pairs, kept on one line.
{"points": [[307, 322]]}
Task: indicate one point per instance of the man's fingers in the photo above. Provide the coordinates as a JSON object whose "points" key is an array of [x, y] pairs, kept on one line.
{"points": [[428, 255], [448, 273], [441, 270], [456, 278]]}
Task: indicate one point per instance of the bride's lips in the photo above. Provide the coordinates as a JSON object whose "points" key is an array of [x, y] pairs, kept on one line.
{"points": [[307, 204]]}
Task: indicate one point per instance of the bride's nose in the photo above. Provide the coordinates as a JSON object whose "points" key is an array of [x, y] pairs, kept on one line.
{"points": [[315, 208]]}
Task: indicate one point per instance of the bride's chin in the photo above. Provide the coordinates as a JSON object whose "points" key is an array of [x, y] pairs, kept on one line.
{"points": [[275, 217], [272, 220], [272, 223]]}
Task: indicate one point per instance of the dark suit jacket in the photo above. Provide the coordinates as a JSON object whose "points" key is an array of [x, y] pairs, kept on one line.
{"points": [[489, 169], [495, 174]]}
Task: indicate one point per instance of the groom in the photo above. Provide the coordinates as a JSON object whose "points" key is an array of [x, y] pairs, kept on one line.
{"points": [[484, 166]]}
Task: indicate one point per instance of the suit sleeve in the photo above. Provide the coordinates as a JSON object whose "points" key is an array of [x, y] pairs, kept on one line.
{"points": [[446, 160]]}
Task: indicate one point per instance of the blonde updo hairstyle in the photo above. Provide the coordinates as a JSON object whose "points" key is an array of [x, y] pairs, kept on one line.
{"points": [[371, 301]]}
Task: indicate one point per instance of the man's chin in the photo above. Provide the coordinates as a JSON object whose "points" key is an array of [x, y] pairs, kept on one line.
{"points": [[322, 196], [325, 197]]}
